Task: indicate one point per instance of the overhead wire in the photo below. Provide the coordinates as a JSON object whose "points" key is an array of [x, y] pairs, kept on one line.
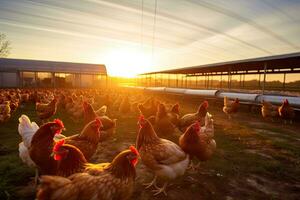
{"points": [[154, 31]]}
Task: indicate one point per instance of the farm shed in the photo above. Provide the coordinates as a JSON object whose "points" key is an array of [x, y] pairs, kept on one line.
{"points": [[39, 73]]}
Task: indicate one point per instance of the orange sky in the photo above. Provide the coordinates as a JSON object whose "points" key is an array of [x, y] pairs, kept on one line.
{"points": [[129, 41]]}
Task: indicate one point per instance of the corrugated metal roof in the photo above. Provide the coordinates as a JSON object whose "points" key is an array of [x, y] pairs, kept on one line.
{"points": [[8, 64], [286, 61]]}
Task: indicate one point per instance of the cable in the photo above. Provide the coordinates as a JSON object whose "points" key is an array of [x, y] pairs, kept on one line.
{"points": [[154, 30], [142, 25]]}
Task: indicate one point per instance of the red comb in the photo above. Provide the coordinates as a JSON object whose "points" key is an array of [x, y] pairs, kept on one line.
{"points": [[58, 145], [59, 122], [134, 150], [141, 118], [205, 104]]}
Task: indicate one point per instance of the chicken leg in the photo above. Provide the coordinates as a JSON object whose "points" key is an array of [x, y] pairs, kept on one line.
{"points": [[161, 190], [194, 167], [36, 178], [153, 182]]}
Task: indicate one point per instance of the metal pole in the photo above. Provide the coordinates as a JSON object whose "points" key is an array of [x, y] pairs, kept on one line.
{"points": [[265, 74], [240, 80], [221, 80], [229, 79], [35, 78], [259, 79], [284, 77], [186, 81]]}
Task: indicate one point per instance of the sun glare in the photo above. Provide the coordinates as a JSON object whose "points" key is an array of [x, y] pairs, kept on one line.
{"points": [[127, 62]]}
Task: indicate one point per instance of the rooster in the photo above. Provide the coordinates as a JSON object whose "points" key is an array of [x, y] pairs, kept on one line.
{"points": [[198, 141], [286, 112], [41, 144], [165, 158], [189, 119], [230, 107], [45, 111], [105, 181], [35, 148], [268, 110]]}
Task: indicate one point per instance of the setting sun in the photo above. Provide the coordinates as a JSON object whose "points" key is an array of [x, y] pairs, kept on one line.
{"points": [[126, 62]]}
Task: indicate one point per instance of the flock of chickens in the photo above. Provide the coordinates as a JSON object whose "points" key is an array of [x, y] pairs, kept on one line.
{"points": [[62, 163]]}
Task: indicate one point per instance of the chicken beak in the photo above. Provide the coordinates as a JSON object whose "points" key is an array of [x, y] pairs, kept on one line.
{"points": [[58, 137]]}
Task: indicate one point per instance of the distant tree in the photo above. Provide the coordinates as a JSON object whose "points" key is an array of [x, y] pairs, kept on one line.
{"points": [[4, 46]]}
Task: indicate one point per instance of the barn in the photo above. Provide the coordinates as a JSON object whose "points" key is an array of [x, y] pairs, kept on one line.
{"points": [[40, 73]]}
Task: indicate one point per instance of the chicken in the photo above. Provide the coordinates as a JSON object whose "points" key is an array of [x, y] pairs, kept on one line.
{"points": [[109, 125], [89, 113], [105, 181], [24, 98], [125, 105], [70, 159], [87, 141], [165, 158], [45, 111], [26, 130], [174, 114], [76, 110], [163, 125], [190, 118], [41, 145], [5, 111], [108, 129], [230, 107], [268, 110], [150, 110], [198, 141], [286, 112]]}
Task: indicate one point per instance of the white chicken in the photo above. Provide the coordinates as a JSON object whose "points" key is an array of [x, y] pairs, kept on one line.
{"points": [[26, 130]]}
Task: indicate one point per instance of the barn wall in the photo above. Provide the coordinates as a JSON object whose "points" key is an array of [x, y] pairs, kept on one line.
{"points": [[9, 79]]}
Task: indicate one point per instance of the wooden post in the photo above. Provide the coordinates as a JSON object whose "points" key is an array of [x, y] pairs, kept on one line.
{"points": [[177, 80]]}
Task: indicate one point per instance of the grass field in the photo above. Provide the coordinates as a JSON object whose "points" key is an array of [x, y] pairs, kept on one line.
{"points": [[254, 159]]}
